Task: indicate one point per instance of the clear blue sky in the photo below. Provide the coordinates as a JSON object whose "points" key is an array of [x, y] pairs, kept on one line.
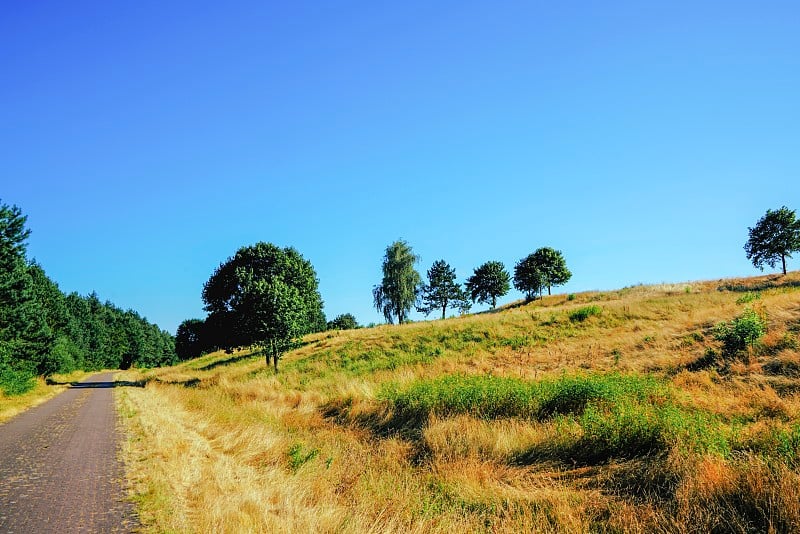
{"points": [[147, 141]]}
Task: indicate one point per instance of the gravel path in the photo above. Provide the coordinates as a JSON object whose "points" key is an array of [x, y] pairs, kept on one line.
{"points": [[59, 470]]}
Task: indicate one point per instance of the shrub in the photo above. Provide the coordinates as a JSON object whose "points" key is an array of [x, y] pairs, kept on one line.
{"points": [[571, 296], [741, 333], [581, 314], [748, 297]]}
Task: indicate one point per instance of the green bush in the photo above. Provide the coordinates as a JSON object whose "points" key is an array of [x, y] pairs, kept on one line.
{"points": [[740, 333], [581, 314], [13, 380], [571, 296]]}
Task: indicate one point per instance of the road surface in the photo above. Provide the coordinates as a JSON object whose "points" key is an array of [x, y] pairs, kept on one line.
{"points": [[59, 470]]}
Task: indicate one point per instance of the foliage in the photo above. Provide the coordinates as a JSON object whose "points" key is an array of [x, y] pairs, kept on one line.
{"points": [[489, 281], [191, 339], [344, 321], [399, 289], [528, 277], [552, 266], [581, 314], [740, 333], [748, 297], [442, 290], [774, 237], [265, 296], [545, 267]]}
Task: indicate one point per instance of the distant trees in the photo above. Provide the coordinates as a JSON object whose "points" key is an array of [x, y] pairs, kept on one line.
{"points": [[774, 237], [344, 321], [442, 290], [398, 291], [545, 267], [43, 331], [489, 281], [265, 296]]}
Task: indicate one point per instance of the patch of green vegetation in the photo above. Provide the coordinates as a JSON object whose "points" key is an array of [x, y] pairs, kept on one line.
{"points": [[740, 333], [298, 456], [581, 314], [491, 397], [748, 297], [601, 415]]}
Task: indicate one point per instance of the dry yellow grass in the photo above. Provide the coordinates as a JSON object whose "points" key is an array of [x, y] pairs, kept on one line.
{"points": [[221, 444]]}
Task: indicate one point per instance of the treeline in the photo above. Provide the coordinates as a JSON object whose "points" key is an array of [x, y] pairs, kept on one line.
{"points": [[44, 331]]}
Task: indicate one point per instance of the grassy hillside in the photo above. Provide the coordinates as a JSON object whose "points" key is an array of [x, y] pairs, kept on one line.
{"points": [[605, 412]]}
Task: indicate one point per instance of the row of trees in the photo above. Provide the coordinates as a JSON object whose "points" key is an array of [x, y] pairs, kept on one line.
{"points": [[44, 331], [402, 288]]}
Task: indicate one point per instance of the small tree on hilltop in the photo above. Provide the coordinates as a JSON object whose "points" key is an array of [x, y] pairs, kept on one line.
{"points": [[489, 281], [442, 290], [528, 278], [774, 237], [552, 266], [398, 291], [345, 321]]}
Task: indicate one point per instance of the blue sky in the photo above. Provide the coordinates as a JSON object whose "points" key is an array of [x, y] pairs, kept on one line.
{"points": [[148, 141]]}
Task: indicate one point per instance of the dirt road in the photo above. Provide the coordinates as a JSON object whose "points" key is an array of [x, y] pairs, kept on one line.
{"points": [[58, 465]]}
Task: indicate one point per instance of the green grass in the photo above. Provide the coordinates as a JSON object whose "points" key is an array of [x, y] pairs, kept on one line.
{"points": [[581, 314], [615, 415], [492, 397]]}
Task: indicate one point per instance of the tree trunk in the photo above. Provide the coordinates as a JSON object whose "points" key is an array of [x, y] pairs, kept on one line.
{"points": [[783, 259], [444, 309], [548, 289], [494, 301]]}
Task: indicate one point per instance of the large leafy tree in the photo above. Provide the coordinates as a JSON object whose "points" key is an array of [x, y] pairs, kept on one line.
{"points": [[398, 291], [774, 237], [552, 266], [489, 281], [442, 290], [528, 277], [264, 296]]}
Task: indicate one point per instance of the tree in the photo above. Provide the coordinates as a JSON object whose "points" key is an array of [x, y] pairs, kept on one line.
{"points": [[774, 237], [399, 289], [489, 281], [25, 337], [528, 277], [264, 296], [442, 290], [553, 267], [344, 321], [189, 339]]}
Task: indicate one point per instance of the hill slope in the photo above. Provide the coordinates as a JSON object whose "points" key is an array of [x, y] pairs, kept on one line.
{"points": [[610, 411]]}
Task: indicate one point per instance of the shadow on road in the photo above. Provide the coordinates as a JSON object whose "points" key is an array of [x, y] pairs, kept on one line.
{"points": [[105, 385], [99, 385]]}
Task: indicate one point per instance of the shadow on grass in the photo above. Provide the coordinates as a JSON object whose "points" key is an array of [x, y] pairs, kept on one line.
{"points": [[228, 361]]}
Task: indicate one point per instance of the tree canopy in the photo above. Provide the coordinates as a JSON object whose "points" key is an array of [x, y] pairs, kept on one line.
{"points": [[489, 281], [344, 321], [264, 296], [774, 238], [442, 290], [528, 277], [398, 291]]}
